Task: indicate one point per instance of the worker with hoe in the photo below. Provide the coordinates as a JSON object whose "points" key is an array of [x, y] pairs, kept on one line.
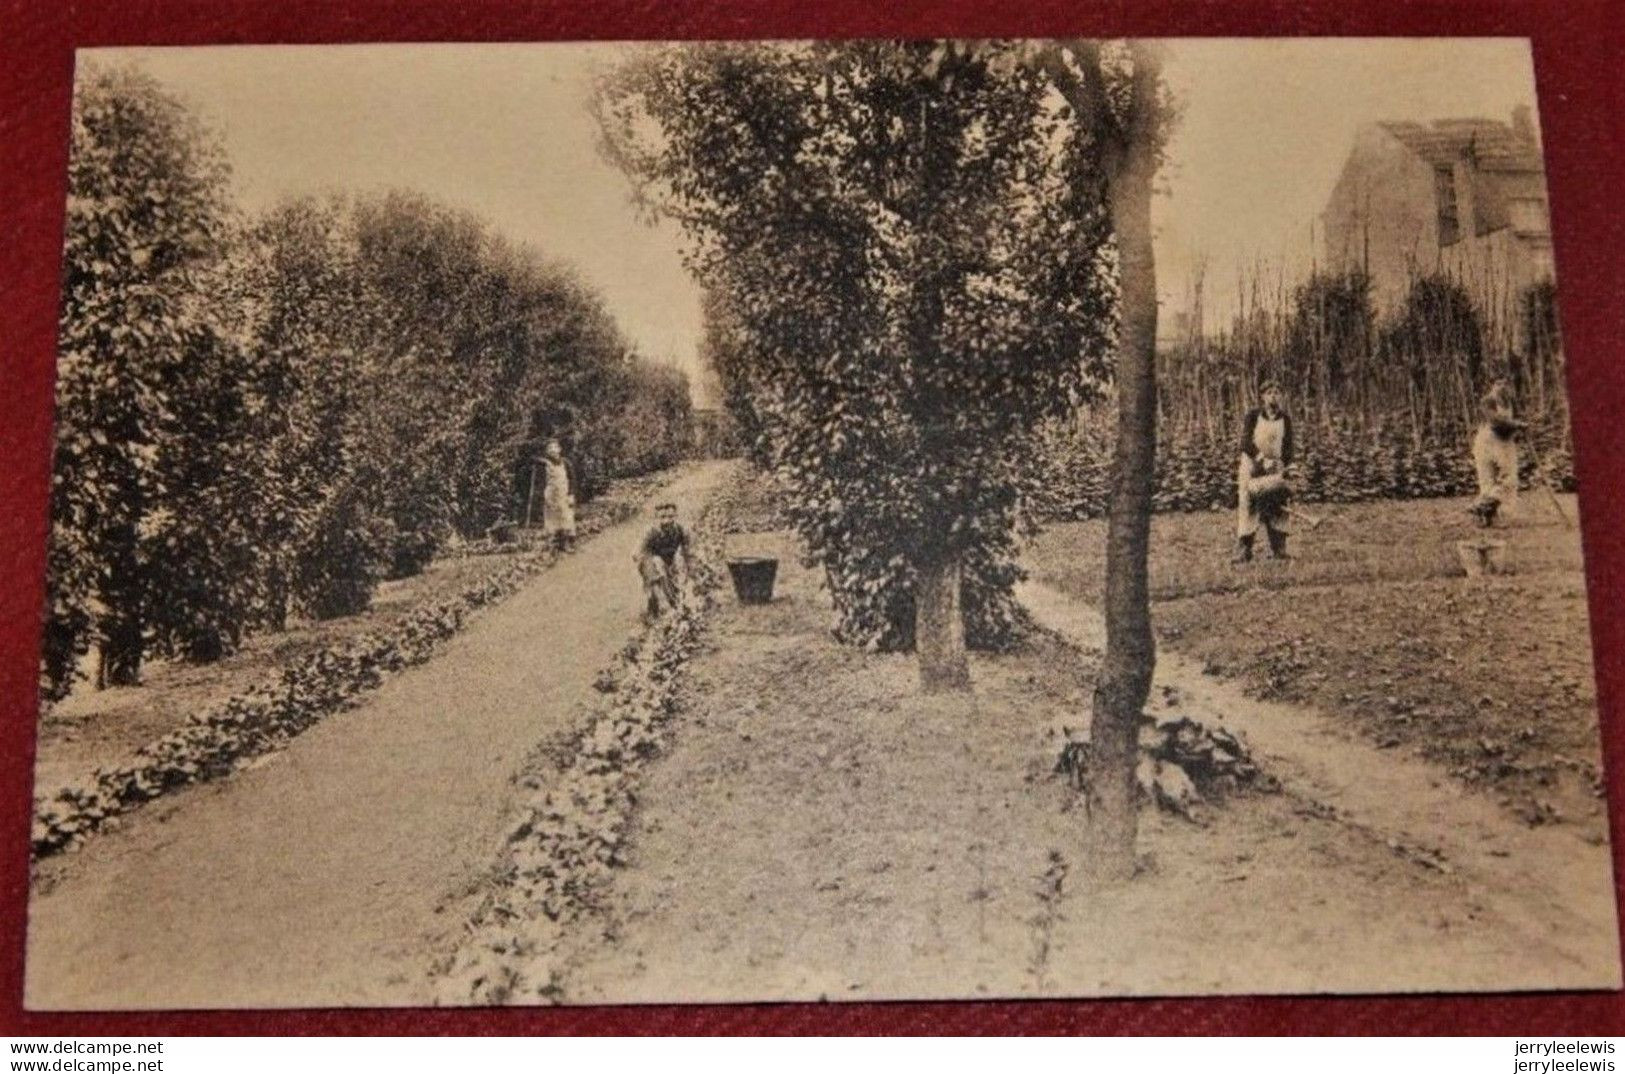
{"points": [[1261, 477], [1495, 453], [663, 546]]}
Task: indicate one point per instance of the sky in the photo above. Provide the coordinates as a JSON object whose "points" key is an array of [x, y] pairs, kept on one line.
{"points": [[503, 130], [1267, 125]]}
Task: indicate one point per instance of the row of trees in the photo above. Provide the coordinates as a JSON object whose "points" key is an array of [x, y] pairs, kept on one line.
{"points": [[262, 417], [915, 254]]}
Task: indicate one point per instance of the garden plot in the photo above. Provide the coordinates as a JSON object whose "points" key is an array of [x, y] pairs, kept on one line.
{"points": [[546, 893], [819, 830], [331, 872], [1374, 623]]}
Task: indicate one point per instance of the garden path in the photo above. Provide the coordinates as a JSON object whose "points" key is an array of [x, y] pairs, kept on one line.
{"points": [[1550, 881], [325, 873]]}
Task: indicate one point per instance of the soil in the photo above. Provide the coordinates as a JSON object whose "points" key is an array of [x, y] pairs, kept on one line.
{"points": [[821, 830], [1374, 623]]}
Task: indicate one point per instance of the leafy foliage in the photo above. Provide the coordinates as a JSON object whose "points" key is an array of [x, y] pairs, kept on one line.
{"points": [[1438, 321], [1436, 339], [1331, 328], [1538, 306], [265, 417], [1423, 366], [904, 253], [146, 213], [216, 741]]}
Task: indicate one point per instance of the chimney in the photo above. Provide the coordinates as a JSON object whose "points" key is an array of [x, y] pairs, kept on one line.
{"points": [[1522, 125]]}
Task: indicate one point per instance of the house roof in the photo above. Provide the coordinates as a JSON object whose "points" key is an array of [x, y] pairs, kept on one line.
{"points": [[1492, 145], [1505, 162]]}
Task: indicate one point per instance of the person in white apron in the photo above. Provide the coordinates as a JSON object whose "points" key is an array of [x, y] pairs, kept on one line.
{"points": [[1261, 491], [1495, 454], [558, 498]]}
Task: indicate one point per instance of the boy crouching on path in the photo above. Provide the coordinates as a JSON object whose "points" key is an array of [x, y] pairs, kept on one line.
{"points": [[657, 560]]}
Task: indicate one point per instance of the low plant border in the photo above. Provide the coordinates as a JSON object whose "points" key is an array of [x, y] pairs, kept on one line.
{"points": [[558, 858], [218, 741]]}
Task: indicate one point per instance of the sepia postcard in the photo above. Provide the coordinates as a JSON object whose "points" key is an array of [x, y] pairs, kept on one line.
{"points": [[802, 520]]}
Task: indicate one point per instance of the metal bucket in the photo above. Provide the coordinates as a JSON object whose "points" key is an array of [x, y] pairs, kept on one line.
{"points": [[753, 578]]}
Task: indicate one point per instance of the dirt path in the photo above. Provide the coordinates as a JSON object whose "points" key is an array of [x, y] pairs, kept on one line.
{"points": [[107, 728], [324, 875], [820, 830]]}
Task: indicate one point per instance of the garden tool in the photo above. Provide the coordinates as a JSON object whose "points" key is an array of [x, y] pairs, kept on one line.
{"points": [[1308, 521], [1545, 479]]}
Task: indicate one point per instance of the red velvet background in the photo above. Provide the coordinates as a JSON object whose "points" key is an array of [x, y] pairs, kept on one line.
{"points": [[1579, 48]]}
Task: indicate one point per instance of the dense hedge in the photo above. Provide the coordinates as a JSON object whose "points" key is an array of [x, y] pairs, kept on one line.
{"points": [[215, 742], [1072, 468], [260, 417], [1386, 402]]}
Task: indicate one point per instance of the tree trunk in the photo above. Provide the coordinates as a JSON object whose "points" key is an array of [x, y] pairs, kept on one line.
{"points": [[939, 626], [276, 600], [120, 628], [1125, 674]]}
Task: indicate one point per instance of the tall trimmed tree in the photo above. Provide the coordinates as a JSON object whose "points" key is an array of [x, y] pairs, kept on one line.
{"points": [[907, 242], [146, 216]]}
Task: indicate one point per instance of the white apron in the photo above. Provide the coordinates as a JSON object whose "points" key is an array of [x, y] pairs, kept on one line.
{"points": [[1269, 437], [558, 505]]}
